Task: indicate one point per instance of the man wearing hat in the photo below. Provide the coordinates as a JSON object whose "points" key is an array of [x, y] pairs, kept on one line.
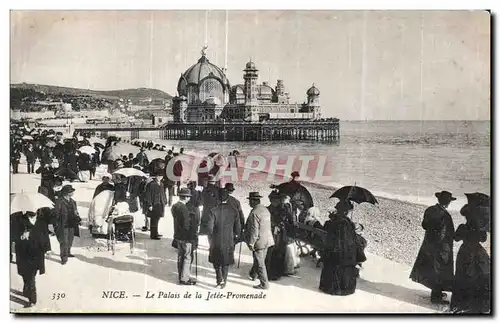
{"points": [[233, 201], [142, 158], [185, 235], [433, 267], [154, 202], [67, 221], [30, 158], [211, 199], [224, 230], [258, 237]]}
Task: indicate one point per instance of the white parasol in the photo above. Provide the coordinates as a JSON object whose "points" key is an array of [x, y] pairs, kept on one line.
{"points": [[29, 202], [27, 137], [87, 150], [127, 172]]}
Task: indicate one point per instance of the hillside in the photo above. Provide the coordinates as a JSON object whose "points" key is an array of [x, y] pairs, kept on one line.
{"points": [[139, 93]]}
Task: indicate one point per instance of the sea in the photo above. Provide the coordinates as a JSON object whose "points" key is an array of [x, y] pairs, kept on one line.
{"points": [[403, 160]]}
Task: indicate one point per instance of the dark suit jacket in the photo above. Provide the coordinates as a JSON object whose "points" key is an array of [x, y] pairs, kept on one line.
{"points": [[156, 198], [231, 200], [258, 228], [66, 213], [185, 222], [224, 229]]}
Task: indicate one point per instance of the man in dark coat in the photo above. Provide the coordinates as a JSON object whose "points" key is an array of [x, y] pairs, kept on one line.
{"points": [[168, 183], [224, 228], [15, 158], [30, 234], [433, 267], [177, 170], [47, 181], [142, 158], [211, 199], [233, 201], [67, 222], [46, 156], [30, 158], [185, 236], [196, 200], [258, 237], [155, 201]]}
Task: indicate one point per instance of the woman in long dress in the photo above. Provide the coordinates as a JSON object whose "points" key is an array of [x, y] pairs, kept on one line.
{"points": [[471, 289], [278, 263], [339, 273]]}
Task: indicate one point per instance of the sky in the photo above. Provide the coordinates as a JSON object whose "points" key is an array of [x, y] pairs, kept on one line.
{"points": [[368, 65]]}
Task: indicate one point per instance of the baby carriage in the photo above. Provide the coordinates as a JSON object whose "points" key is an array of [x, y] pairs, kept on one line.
{"points": [[121, 227]]}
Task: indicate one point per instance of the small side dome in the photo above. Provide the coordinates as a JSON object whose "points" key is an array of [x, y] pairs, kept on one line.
{"points": [[250, 65], [313, 91]]}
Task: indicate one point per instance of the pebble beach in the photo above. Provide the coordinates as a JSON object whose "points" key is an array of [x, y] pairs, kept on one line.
{"points": [[392, 228]]}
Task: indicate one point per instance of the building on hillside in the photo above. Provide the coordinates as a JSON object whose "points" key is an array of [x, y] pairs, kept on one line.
{"points": [[205, 95]]}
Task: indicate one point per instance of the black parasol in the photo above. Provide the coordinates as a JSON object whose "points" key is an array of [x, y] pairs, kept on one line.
{"points": [[296, 192], [356, 194]]}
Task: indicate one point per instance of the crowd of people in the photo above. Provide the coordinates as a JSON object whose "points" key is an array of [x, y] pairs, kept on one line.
{"points": [[204, 207]]}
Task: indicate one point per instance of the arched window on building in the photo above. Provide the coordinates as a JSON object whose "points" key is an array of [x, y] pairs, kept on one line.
{"points": [[211, 88]]}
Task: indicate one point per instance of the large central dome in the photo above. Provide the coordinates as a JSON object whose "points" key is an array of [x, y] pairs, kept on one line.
{"points": [[203, 80]]}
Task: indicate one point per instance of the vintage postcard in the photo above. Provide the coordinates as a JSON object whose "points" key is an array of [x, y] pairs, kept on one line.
{"points": [[224, 161]]}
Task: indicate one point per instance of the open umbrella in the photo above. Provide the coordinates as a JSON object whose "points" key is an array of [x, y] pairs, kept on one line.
{"points": [[29, 202], [86, 150], [297, 192], [127, 172], [27, 137], [356, 194]]}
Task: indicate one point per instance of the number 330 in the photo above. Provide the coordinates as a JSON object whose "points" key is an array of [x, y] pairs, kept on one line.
{"points": [[56, 296]]}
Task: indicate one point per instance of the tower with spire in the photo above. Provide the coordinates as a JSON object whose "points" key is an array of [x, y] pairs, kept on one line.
{"points": [[251, 75]]}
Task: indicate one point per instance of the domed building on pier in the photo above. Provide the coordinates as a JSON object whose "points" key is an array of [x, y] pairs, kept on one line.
{"points": [[205, 95]]}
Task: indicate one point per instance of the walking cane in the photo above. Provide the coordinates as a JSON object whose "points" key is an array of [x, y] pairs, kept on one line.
{"points": [[196, 262], [239, 256]]}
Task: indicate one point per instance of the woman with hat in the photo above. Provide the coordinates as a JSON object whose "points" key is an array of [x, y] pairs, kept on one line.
{"points": [[67, 222], [339, 273], [471, 291], [433, 267], [106, 185], [276, 260], [31, 236]]}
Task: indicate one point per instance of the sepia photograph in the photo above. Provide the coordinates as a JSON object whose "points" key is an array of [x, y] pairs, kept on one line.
{"points": [[250, 161]]}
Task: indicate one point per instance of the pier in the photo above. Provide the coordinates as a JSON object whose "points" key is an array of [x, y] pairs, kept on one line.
{"points": [[272, 130]]}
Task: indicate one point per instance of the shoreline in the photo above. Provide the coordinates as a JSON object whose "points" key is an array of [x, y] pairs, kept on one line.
{"points": [[392, 228]]}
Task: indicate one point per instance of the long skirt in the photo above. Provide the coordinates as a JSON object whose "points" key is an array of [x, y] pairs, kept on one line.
{"points": [[84, 175], [471, 292], [338, 280], [292, 259]]}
